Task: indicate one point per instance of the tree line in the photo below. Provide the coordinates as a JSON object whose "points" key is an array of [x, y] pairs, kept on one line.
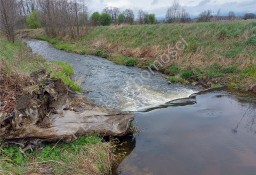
{"points": [[70, 17], [113, 15], [58, 17]]}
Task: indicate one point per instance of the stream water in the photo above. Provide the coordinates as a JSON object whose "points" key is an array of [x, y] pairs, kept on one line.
{"points": [[211, 133]]}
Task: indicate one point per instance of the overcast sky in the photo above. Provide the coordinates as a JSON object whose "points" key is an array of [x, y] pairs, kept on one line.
{"points": [[159, 7]]}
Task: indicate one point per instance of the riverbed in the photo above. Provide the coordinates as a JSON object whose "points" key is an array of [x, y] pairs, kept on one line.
{"points": [[181, 132]]}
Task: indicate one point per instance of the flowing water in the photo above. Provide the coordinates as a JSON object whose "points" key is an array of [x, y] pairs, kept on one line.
{"points": [[116, 86], [211, 133]]}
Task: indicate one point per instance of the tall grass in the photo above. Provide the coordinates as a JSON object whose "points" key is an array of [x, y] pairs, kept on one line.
{"points": [[230, 44]]}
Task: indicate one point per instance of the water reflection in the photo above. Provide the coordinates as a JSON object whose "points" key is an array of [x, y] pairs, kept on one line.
{"points": [[193, 137], [248, 120]]}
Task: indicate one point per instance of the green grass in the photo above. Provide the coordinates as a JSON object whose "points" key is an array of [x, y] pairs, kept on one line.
{"points": [[62, 157], [18, 58], [250, 72], [208, 44], [176, 79], [101, 53], [131, 62], [128, 61]]}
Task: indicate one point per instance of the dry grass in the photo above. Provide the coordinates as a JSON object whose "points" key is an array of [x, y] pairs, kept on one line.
{"points": [[227, 44], [93, 159]]}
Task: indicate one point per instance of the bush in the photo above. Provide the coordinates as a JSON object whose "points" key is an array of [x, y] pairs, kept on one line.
{"points": [[101, 53], [176, 79], [95, 18], [121, 18], [230, 70], [105, 19], [187, 74], [173, 70], [131, 62], [251, 40], [33, 20], [150, 19]]}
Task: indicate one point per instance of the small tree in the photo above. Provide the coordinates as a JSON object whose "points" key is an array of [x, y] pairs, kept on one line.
{"points": [[33, 20], [129, 16], [141, 16], [249, 16], [95, 18], [113, 12], [121, 18], [105, 19], [205, 16], [176, 13], [8, 17], [152, 18]]}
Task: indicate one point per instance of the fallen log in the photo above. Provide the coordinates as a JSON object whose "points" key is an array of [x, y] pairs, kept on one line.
{"points": [[50, 111]]}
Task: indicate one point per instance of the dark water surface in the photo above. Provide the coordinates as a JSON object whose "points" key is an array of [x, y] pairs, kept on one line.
{"points": [[214, 136], [213, 133]]}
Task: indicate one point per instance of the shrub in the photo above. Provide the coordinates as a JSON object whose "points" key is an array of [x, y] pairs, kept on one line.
{"points": [[173, 70], [121, 18], [33, 20], [95, 18], [176, 79], [105, 19], [229, 70], [150, 19], [214, 71], [101, 53], [131, 62], [187, 74], [251, 40]]}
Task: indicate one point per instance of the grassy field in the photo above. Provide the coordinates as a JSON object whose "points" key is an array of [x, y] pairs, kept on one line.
{"points": [[217, 53], [87, 155]]}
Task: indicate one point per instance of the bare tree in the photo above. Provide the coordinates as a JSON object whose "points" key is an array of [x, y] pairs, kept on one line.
{"points": [[114, 12], [249, 16], [176, 13], [8, 16], [231, 15], [185, 17], [141, 16], [218, 15], [205, 16], [129, 16], [63, 17]]}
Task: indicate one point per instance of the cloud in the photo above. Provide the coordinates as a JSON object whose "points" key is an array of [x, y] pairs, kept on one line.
{"points": [[159, 7], [154, 2], [204, 2]]}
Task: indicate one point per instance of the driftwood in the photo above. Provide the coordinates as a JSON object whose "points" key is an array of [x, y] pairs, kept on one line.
{"points": [[48, 110]]}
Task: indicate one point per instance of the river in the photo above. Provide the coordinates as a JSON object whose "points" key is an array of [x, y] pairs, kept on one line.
{"points": [[181, 133]]}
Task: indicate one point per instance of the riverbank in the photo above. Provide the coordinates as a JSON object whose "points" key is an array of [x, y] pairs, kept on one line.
{"points": [[215, 54], [38, 104]]}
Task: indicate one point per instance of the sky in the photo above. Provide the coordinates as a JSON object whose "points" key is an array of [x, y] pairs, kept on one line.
{"points": [[159, 7]]}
